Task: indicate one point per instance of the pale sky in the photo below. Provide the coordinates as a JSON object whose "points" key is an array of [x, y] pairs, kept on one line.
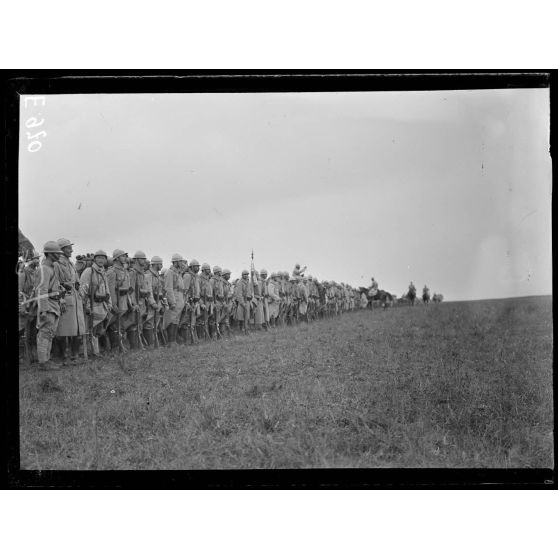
{"points": [[448, 188]]}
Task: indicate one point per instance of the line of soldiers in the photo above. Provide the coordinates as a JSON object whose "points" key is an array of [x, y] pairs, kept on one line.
{"points": [[102, 304]]}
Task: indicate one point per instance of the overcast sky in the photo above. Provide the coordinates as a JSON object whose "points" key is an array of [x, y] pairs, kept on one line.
{"points": [[449, 188]]}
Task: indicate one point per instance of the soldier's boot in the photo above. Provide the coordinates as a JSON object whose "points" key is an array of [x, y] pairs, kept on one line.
{"points": [[43, 352], [75, 345], [182, 335], [113, 339], [132, 335], [194, 335], [171, 335], [95, 352], [148, 334], [103, 342]]}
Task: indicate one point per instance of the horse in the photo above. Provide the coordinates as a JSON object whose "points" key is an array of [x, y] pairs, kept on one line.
{"points": [[412, 295], [426, 297], [437, 298]]}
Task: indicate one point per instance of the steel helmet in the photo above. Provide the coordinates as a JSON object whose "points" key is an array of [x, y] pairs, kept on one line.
{"points": [[117, 253], [63, 242], [177, 258], [245, 272], [52, 247], [226, 271], [216, 269], [100, 253], [205, 266], [156, 260], [263, 272], [139, 255], [297, 265], [194, 262], [309, 277]]}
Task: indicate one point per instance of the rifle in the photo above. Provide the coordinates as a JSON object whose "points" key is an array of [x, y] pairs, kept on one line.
{"points": [[142, 342]]}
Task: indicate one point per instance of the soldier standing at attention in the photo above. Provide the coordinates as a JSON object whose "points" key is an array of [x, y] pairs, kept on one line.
{"points": [[243, 295], [139, 294], [154, 286], [96, 296], [263, 282], [273, 299], [174, 293], [227, 301], [28, 280], [206, 300], [72, 323], [192, 296], [118, 278], [50, 305], [218, 298]]}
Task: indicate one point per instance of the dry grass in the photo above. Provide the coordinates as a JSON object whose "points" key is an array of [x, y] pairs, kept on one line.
{"points": [[463, 384]]}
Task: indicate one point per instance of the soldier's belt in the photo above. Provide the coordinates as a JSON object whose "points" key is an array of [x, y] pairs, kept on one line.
{"points": [[101, 298], [123, 291]]}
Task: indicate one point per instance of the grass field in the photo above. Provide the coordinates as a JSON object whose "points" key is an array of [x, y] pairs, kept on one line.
{"points": [[460, 384]]}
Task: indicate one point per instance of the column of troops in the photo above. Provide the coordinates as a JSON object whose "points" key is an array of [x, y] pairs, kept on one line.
{"points": [[101, 304]]}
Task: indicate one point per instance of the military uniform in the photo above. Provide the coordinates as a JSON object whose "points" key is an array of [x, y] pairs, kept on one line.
{"points": [[174, 293], [218, 298], [121, 293], [49, 294], [153, 284], [227, 310], [243, 294], [192, 295], [273, 298], [72, 322], [97, 301], [206, 300]]}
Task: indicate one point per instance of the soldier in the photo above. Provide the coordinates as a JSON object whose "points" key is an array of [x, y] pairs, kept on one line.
{"points": [[174, 293], [258, 311], [425, 294], [139, 294], [412, 293], [28, 280], [265, 297], [97, 300], [243, 295], [273, 299], [312, 298], [218, 299], [154, 285], [80, 264], [192, 297], [71, 323], [124, 307], [293, 300], [206, 300], [227, 301], [50, 305], [303, 297], [297, 272]]}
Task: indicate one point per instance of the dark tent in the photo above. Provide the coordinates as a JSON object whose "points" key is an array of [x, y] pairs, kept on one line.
{"points": [[25, 245]]}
